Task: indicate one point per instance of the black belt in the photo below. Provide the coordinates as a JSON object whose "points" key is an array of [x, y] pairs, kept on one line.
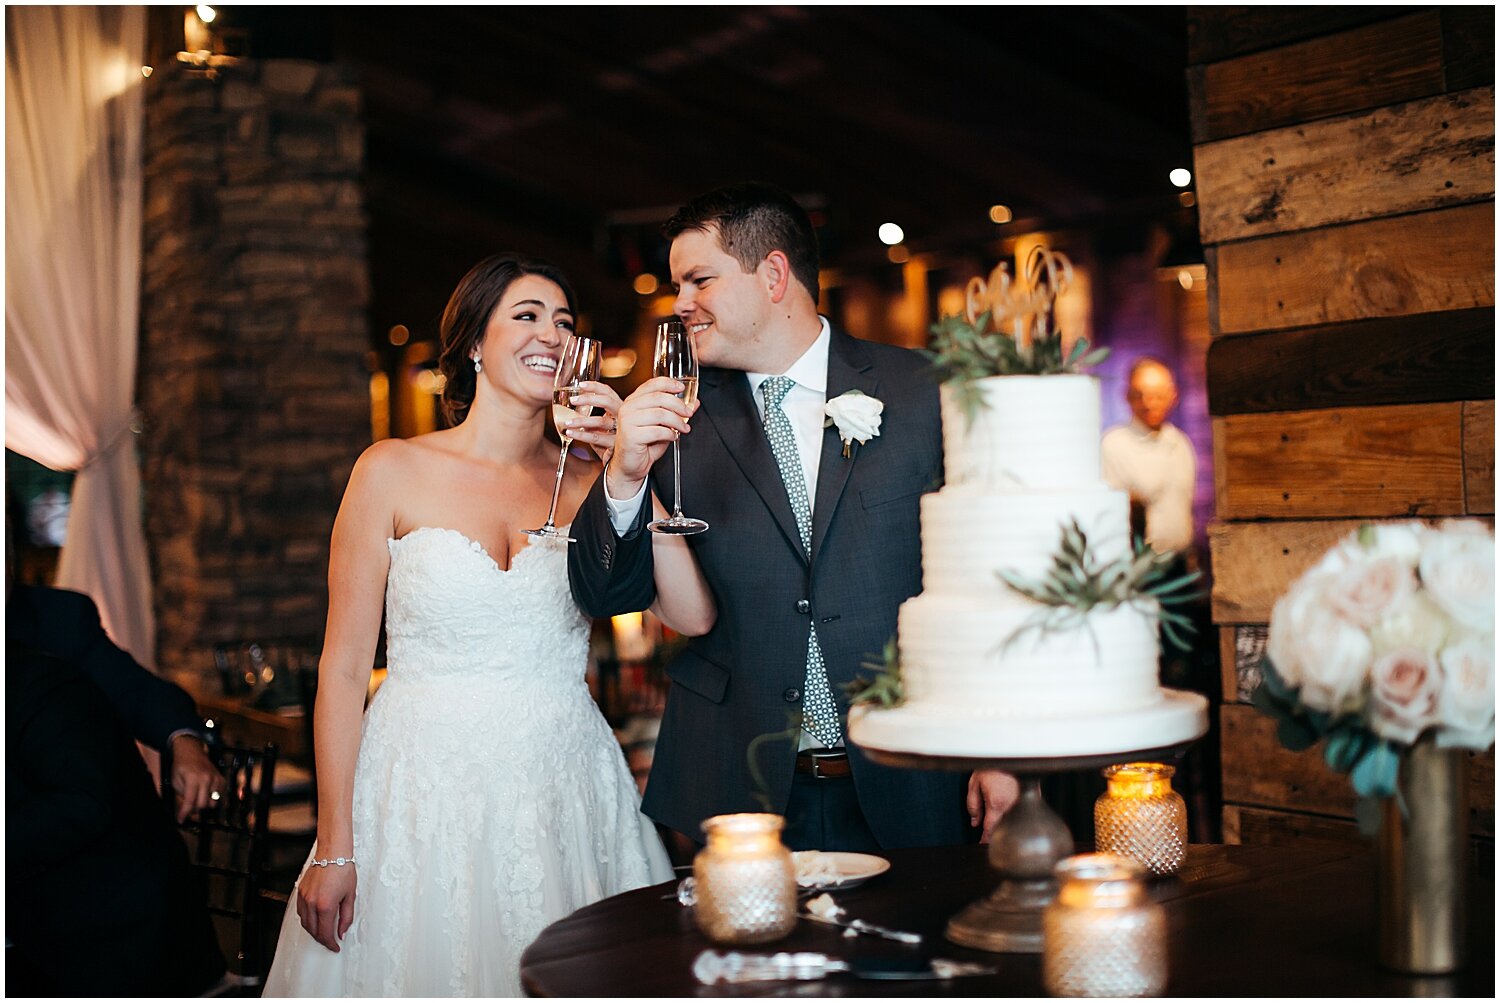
{"points": [[824, 764]]}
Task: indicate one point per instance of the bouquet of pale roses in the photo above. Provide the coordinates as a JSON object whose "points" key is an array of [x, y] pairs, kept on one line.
{"points": [[1391, 636]]}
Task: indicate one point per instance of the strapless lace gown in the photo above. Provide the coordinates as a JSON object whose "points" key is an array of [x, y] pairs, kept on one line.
{"points": [[490, 797]]}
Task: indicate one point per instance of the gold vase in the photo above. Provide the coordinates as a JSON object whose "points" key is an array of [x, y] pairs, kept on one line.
{"points": [[1422, 863]]}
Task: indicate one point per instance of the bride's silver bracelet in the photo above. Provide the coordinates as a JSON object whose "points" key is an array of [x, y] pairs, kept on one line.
{"points": [[332, 862]]}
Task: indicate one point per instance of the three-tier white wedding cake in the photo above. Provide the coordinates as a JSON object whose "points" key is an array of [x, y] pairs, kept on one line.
{"points": [[981, 676]]}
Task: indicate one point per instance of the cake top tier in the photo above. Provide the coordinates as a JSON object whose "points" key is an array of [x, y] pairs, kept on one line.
{"points": [[1026, 433]]}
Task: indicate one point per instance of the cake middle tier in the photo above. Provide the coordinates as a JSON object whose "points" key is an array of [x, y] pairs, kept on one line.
{"points": [[969, 535], [990, 661]]}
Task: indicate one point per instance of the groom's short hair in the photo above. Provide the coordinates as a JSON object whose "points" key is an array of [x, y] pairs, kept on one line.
{"points": [[752, 220]]}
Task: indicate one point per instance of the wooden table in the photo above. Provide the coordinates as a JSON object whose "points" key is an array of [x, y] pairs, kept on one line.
{"points": [[1243, 921]]}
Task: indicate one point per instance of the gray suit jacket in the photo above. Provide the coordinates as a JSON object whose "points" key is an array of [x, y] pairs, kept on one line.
{"points": [[744, 678]]}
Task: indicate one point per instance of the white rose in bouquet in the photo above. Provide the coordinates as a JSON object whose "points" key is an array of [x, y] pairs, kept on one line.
{"points": [[1314, 647], [1404, 686], [1466, 704], [1365, 592], [1401, 540], [1289, 618], [1416, 622], [1458, 571]]}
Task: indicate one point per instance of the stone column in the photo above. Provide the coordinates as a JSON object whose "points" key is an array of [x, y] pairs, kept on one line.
{"points": [[253, 380]]}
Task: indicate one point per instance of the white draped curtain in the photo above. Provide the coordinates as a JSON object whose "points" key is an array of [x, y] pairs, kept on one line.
{"points": [[73, 118]]}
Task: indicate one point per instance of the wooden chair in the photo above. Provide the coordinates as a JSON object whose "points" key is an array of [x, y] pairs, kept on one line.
{"points": [[227, 844]]}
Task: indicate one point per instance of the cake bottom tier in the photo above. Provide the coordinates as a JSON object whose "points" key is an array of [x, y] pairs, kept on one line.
{"points": [[1173, 718], [979, 659]]}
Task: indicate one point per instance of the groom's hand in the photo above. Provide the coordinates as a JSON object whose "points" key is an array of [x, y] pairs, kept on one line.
{"points": [[991, 794], [650, 420]]}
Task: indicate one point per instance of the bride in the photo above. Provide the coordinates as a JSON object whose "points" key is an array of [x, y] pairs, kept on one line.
{"points": [[483, 796]]}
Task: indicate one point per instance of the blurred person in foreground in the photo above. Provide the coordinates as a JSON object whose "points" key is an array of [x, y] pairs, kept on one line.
{"points": [[100, 899]]}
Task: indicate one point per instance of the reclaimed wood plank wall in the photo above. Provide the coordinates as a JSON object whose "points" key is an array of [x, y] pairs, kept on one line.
{"points": [[1345, 174]]}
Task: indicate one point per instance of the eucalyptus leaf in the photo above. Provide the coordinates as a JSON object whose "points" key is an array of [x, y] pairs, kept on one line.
{"points": [[1345, 747], [1272, 680], [1375, 775], [1294, 734], [1368, 813], [1263, 700], [886, 689]]}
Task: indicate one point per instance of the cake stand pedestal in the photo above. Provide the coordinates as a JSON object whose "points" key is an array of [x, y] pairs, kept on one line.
{"points": [[1026, 845]]}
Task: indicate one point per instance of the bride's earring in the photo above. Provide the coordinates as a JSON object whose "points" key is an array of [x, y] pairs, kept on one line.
{"points": [[477, 367]]}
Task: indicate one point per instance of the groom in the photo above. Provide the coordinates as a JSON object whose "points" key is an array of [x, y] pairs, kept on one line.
{"points": [[809, 552]]}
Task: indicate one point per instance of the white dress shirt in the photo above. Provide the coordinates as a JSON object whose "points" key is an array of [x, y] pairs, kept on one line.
{"points": [[803, 406], [1158, 469]]}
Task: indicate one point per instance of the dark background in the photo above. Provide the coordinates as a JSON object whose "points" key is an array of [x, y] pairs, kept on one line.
{"points": [[572, 132]]}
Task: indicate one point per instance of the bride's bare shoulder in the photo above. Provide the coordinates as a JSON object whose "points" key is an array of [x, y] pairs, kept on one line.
{"points": [[389, 462]]}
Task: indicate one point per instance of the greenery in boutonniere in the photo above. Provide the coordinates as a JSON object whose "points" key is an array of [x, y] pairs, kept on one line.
{"points": [[884, 689], [1078, 582]]}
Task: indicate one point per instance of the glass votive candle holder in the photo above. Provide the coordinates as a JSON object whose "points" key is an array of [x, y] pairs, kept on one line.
{"points": [[1141, 817], [1103, 935], [744, 880]]}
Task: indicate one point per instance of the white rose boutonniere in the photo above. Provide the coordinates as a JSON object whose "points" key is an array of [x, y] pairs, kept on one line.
{"points": [[857, 416]]}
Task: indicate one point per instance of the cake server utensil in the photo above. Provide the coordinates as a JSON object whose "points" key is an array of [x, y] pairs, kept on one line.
{"points": [[713, 968]]}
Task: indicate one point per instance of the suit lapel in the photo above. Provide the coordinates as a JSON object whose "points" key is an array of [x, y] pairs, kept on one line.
{"points": [[732, 413], [849, 368]]}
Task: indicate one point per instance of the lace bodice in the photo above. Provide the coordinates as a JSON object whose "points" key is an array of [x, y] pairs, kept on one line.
{"points": [[451, 609]]}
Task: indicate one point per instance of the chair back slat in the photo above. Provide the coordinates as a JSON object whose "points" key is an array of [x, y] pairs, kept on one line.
{"points": [[228, 844]]}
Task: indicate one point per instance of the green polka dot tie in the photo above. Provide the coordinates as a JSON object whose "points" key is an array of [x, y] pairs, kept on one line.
{"points": [[820, 715]]}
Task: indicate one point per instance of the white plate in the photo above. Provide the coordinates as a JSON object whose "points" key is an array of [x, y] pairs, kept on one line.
{"points": [[852, 869]]}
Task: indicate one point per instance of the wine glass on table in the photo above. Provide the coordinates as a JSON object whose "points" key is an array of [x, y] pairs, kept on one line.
{"points": [[675, 357], [579, 364]]}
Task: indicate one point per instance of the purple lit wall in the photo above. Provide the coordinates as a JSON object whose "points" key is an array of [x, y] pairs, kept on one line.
{"points": [[1140, 310]]}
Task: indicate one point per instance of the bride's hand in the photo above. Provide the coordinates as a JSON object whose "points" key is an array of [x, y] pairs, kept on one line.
{"points": [[325, 903], [598, 430]]}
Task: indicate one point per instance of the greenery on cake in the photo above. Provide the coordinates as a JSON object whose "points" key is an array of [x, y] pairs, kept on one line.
{"points": [[1018, 335], [1079, 581], [760, 790], [884, 688]]}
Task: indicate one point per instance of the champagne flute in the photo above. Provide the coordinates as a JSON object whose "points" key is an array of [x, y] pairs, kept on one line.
{"points": [[579, 363], [675, 357]]}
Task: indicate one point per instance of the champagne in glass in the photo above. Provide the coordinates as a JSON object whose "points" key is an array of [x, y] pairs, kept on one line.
{"points": [[563, 409], [579, 363], [676, 357]]}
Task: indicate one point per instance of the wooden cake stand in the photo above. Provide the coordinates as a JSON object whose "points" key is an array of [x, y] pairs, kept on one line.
{"points": [[1026, 845]]}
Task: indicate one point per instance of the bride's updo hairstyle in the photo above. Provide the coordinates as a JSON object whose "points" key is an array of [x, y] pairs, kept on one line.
{"points": [[467, 315]]}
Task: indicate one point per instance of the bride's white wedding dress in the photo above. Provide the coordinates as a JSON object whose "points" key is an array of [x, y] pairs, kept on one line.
{"points": [[490, 797]]}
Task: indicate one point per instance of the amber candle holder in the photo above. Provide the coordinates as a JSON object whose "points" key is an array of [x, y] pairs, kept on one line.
{"points": [[1103, 935], [1141, 817], [744, 880]]}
